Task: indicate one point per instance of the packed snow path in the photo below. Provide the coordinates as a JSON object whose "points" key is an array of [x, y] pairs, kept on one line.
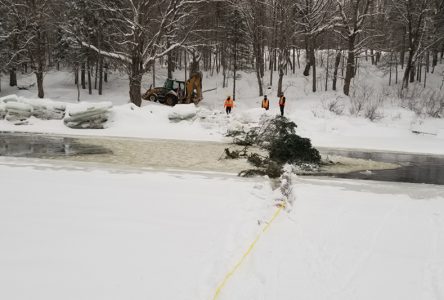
{"points": [[82, 232]]}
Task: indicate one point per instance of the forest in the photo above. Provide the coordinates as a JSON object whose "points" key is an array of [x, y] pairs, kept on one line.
{"points": [[92, 37]]}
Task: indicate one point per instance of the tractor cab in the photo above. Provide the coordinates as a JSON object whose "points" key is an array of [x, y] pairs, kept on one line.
{"points": [[174, 85]]}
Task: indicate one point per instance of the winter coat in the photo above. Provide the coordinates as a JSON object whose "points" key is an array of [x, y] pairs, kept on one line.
{"points": [[265, 103], [229, 102], [282, 101]]}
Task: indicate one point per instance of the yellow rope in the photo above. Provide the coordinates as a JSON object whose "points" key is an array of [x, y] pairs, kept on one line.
{"points": [[250, 248]]}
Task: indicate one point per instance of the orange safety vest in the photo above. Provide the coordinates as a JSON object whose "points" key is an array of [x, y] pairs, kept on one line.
{"points": [[282, 101], [265, 103], [228, 102]]}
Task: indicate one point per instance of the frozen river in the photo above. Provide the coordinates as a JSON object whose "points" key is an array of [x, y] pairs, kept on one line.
{"points": [[208, 156]]}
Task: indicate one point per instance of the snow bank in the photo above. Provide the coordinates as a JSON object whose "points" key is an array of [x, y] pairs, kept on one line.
{"points": [[19, 109], [182, 112], [9, 98], [46, 109], [88, 115], [17, 112]]}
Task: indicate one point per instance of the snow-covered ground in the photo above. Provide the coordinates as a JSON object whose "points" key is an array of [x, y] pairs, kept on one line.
{"points": [[392, 131], [87, 232]]}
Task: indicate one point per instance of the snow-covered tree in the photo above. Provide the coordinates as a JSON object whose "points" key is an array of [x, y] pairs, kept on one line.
{"points": [[353, 16], [313, 18], [255, 20], [142, 31], [30, 24]]}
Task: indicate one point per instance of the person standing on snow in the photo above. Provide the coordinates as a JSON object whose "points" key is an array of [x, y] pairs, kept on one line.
{"points": [[282, 103], [265, 103], [228, 104]]}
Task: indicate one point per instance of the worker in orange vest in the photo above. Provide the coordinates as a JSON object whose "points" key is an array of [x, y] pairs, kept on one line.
{"points": [[228, 104], [265, 103], [282, 103]]}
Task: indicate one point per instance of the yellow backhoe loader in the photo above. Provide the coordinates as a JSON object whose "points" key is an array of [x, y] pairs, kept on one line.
{"points": [[175, 91]]}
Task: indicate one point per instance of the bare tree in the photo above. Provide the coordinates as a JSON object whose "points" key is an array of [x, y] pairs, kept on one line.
{"points": [[353, 15], [413, 15], [31, 24], [254, 14], [144, 31], [313, 17]]}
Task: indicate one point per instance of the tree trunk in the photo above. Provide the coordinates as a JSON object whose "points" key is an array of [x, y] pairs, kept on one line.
{"points": [[234, 71], [76, 70], [88, 66], [390, 69], [105, 77], [335, 72], [372, 56], [313, 64], [350, 69], [76, 74], [409, 69], [298, 57], [378, 57], [82, 75], [419, 70], [169, 62], [39, 75], [135, 80], [442, 53], [413, 72], [134, 92], [185, 64], [281, 77], [100, 74], [224, 77], [154, 73], [12, 77], [434, 60], [271, 70], [294, 60], [259, 81], [259, 63], [327, 69], [96, 75], [402, 52]]}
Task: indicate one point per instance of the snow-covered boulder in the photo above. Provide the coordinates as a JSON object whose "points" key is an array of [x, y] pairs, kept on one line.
{"points": [[182, 112], [88, 115], [46, 109], [18, 112], [9, 98]]}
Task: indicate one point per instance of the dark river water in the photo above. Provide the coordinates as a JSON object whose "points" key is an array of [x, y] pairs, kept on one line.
{"points": [[45, 146], [415, 168]]}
